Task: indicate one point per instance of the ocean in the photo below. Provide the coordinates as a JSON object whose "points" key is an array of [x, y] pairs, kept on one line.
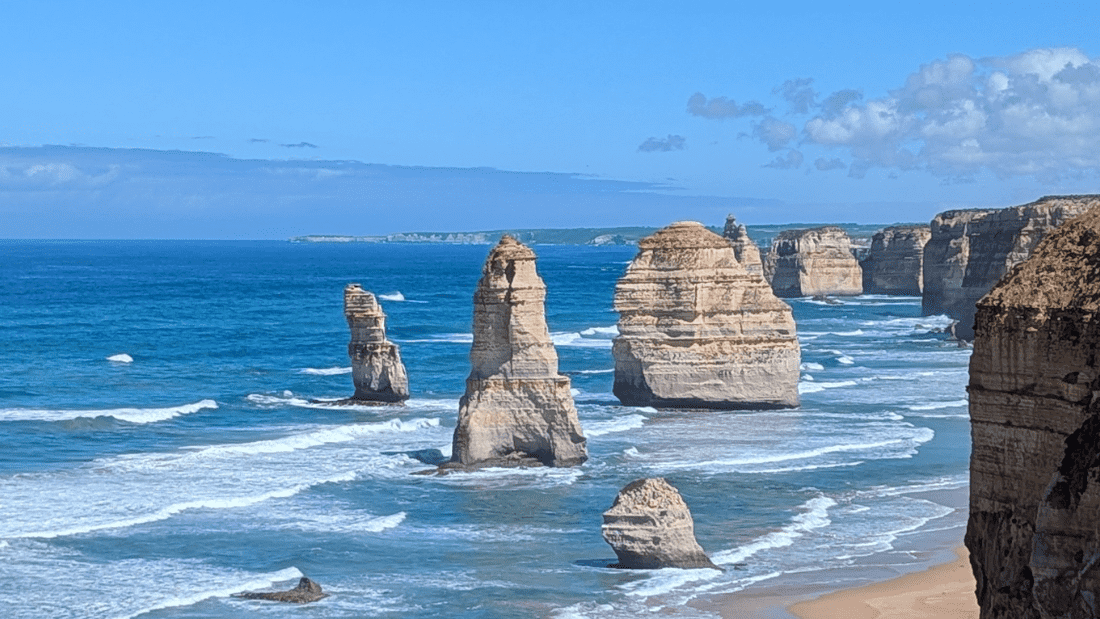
{"points": [[162, 447]]}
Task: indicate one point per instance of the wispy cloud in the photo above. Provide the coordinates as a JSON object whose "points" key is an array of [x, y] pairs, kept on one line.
{"points": [[299, 145], [721, 107], [793, 159], [258, 141], [662, 145], [202, 137]]}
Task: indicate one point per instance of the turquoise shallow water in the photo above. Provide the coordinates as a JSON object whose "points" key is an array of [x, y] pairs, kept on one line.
{"points": [[160, 486]]}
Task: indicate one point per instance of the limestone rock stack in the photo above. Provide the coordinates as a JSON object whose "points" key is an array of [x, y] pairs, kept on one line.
{"points": [[1034, 528], [649, 526], [517, 407], [748, 254], [696, 330], [376, 367], [971, 250], [817, 261], [895, 262]]}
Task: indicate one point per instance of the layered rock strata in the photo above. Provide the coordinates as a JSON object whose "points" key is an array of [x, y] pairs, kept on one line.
{"points": [[696, 330], [746, 251], [517, 408], [376, 367], [971, 250], [307, 591], [1034, 527], [895, 262], [813, 262], [650, 527]]}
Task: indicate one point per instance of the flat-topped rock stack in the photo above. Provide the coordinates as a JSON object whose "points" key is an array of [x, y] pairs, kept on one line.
{"points": [[971, 250], [812, 262], [1034, 528], [746, 251], [517, 409], [697, 330], [650, 527], [895, 262], [376, 367]]}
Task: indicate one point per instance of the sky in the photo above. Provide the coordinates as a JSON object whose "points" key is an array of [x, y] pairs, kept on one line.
{"points": [[265, 120]]}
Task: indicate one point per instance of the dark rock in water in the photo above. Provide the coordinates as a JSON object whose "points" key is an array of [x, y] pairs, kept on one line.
{"points": [[306, 591], [827, 300]]}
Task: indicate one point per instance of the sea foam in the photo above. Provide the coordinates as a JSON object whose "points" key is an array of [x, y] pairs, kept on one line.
{"points": [[131, 415], [121, 358]]}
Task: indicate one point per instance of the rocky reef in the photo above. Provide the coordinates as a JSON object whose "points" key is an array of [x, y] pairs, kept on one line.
{"points": [[697, 330], [895, 261], [307, 591], [971, 250], [1034, 528], [746, 251], [376, 367], [650, 527], [517, 409], [812, 262]]}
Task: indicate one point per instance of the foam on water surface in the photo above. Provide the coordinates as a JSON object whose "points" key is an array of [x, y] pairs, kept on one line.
{"points": [[131, 415]]}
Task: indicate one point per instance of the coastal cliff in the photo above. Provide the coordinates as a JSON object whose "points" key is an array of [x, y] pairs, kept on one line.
{"points": [[376, 367], [1034, 527], [746, 251], [697, 330], [971, 250], [895, 262], [816, 261], [517, 409]]}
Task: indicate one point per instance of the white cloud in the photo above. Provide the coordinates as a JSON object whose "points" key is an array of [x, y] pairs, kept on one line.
{"points": [[53, 175]]}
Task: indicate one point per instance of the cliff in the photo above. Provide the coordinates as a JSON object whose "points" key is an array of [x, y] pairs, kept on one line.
{"points": [[516, 408], [817, 261], [376, 367], [1034, 527], [895, 262], [696, 330], [971, 250], [650, 527], [746, 251]]}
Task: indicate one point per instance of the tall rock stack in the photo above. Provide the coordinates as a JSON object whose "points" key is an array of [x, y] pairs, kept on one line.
{"points": [[817, 261], [517, 408], [895, 262], [376, 367], [971, 250], [650, 527], [748, 254], [1034, 528], [696, 330]]}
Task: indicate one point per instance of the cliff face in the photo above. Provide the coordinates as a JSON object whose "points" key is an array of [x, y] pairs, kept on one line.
{"points": [[746, 251], [376, 367], [970, 251], [650, 527], [817, 261], [1034, 528], [516, 407], [696, 330], [895, 262]]}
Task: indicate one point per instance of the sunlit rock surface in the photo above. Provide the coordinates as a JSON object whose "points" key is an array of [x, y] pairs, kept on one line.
{"points": [[812, 262], [376, 367], [649, 526]]}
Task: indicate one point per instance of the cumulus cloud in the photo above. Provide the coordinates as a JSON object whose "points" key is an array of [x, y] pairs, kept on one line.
{"points": [[662, 145], [299, 145], [1033, 114], [721, 107]]}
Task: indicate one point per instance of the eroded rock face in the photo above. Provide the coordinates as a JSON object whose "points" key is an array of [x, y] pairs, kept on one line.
{"points": [[376, 367], [516, 407], [971, 250], [649, 526], [696, 330], [812, 262], [1034, 528], [746, 251], [895, 262], [306, 591]]}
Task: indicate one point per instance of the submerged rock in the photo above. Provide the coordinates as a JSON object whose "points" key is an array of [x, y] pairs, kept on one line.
{"points": [[376, 367], [895, 262], [1034, 527], [306, 591], [746, 251], [649, 526], [696, 330], [517, 409], [816, 261]]}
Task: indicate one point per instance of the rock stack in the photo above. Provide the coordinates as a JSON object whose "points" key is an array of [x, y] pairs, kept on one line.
{"points": [[746, 251], [971, 250], [813, 262], [895, 262], [650, 527], [696, 330], [307, 591], [1034, 528], [517, 408], [376, 367]]}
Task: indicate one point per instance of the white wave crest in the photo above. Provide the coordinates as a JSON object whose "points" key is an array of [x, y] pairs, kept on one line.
{"points": [[579, 340], [815, 516], [816, 386], [325, 371], [121, 358], [612, 331], [618, 424], [938, 405], [816, 367], [132, 415], [393, 296]]}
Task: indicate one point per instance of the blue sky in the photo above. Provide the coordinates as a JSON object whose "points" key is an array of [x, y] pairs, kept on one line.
{"points": [[270, 119]]}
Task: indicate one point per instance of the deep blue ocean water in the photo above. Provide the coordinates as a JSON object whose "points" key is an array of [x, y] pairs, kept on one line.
{"points": [[158, 484]]}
